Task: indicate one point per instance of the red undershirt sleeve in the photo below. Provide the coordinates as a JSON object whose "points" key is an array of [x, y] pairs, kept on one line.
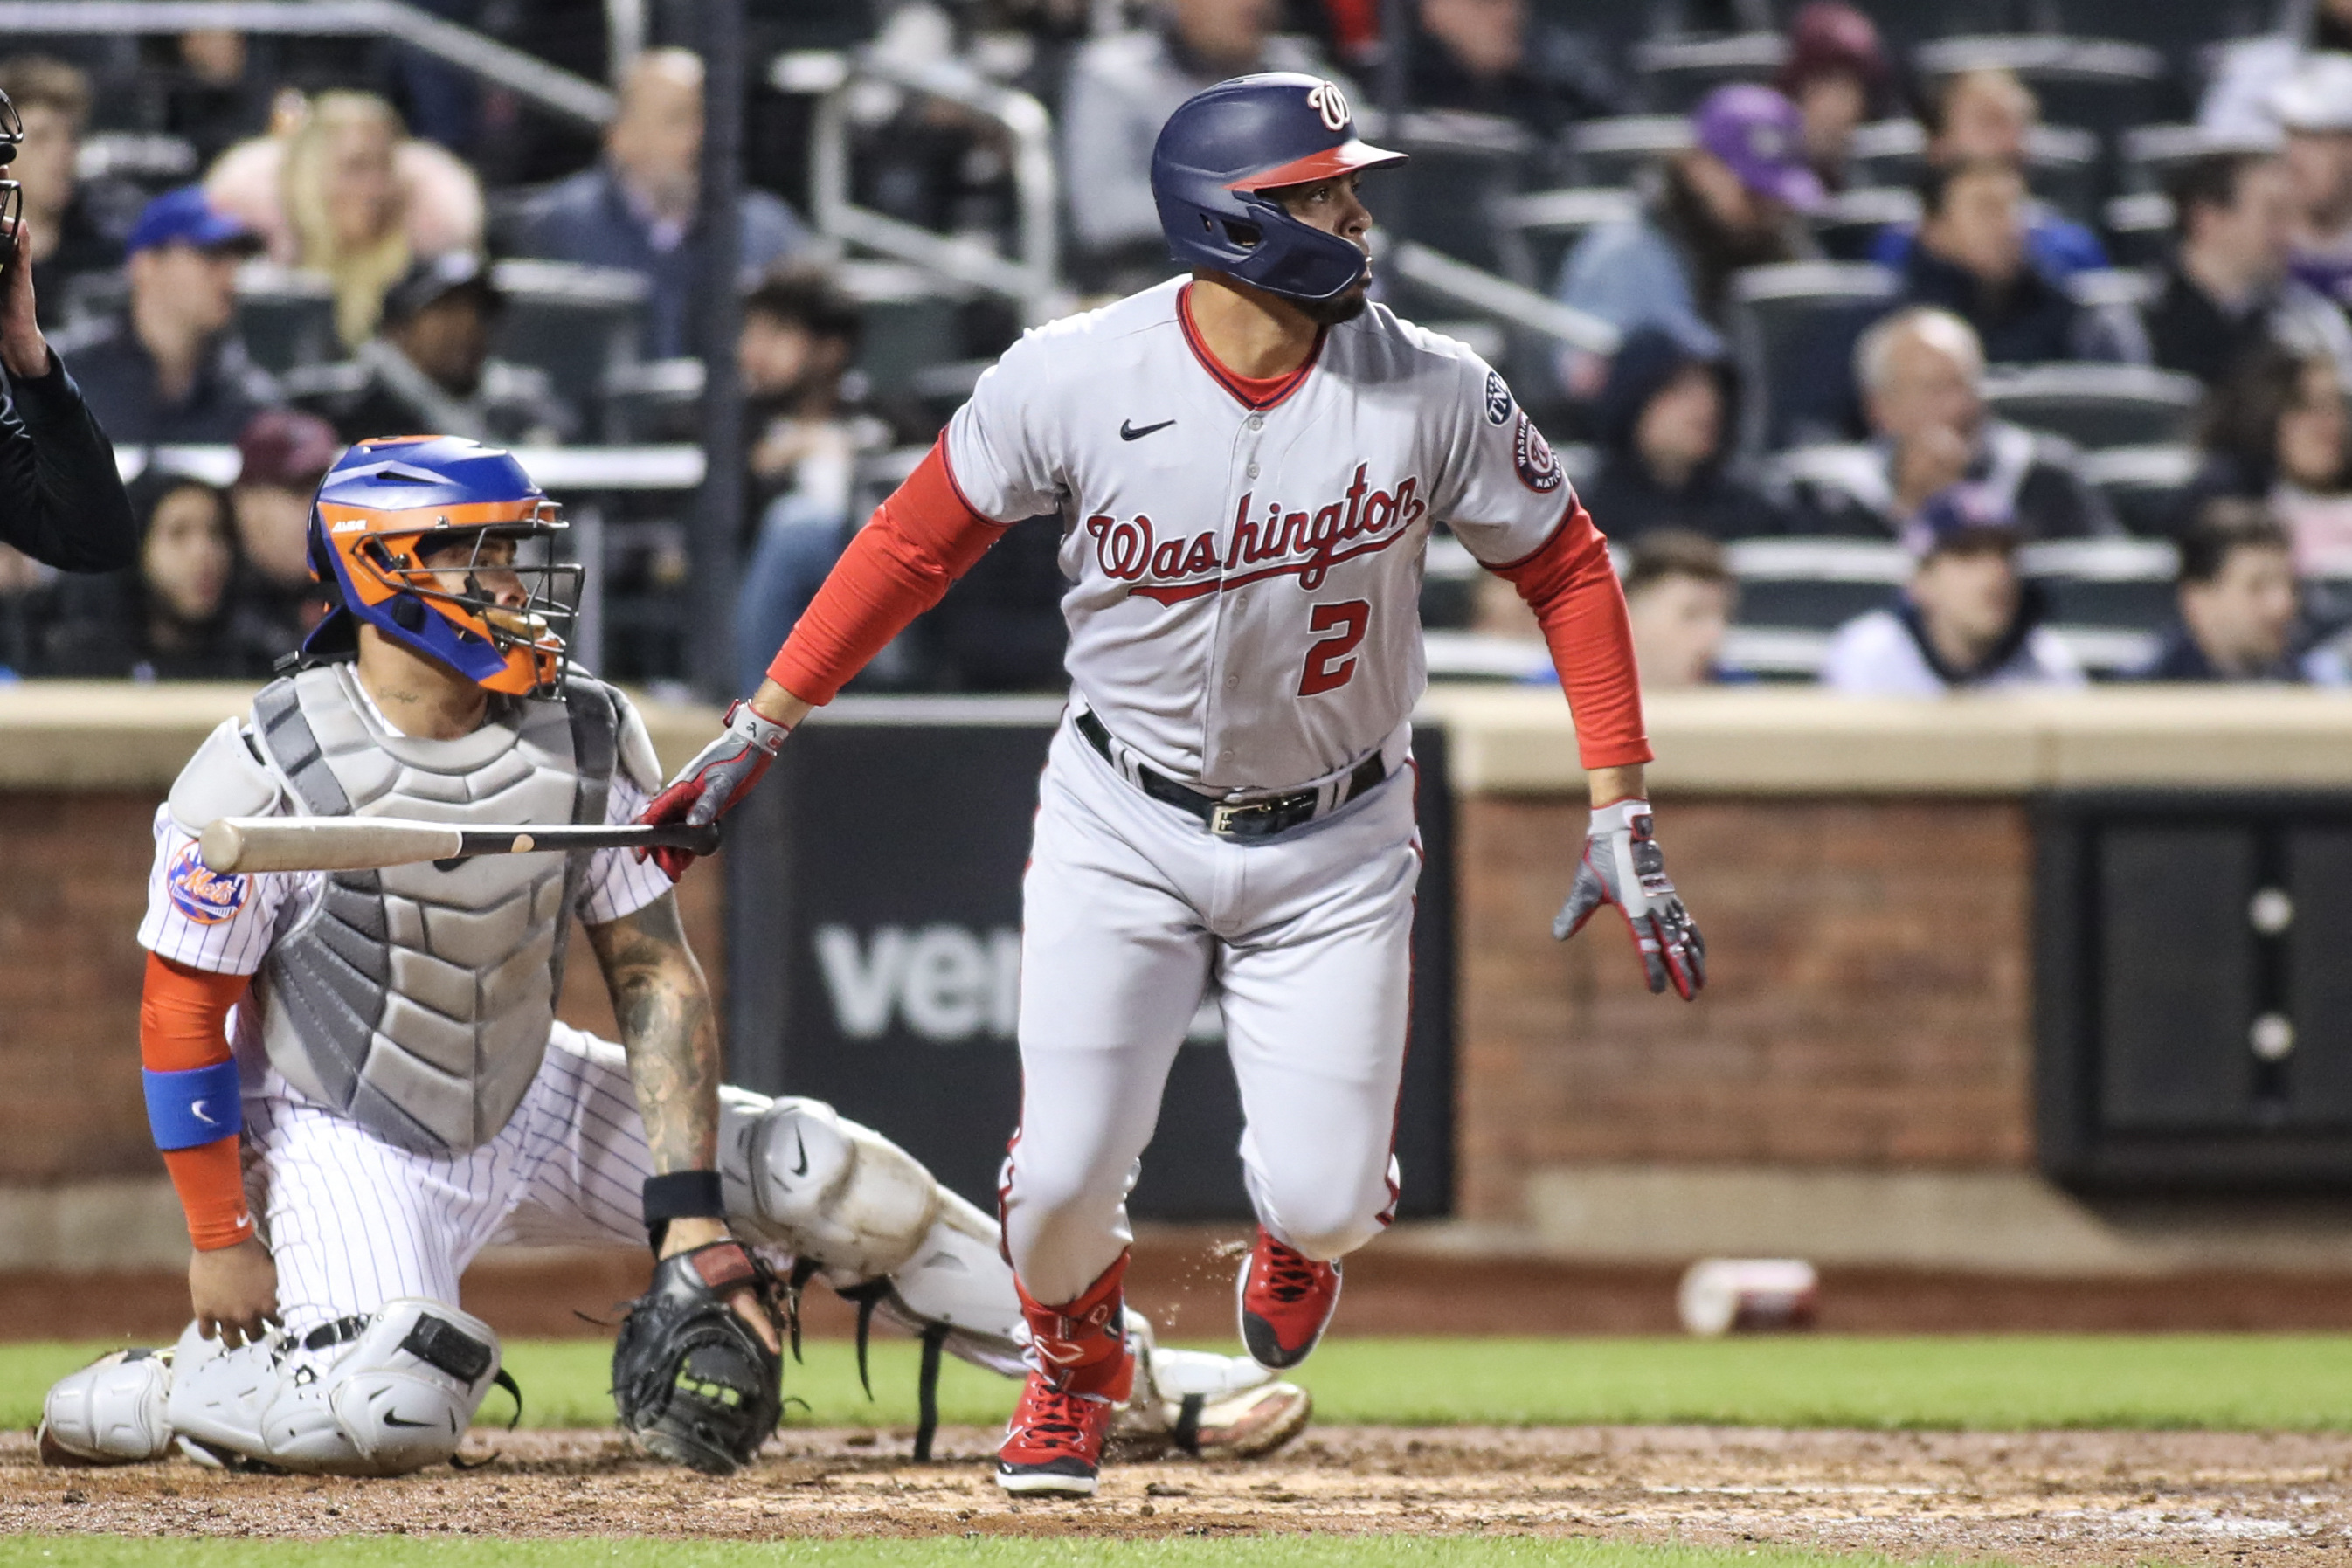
{"points": [[1573, 590], [920, 541], [183, 1023]]}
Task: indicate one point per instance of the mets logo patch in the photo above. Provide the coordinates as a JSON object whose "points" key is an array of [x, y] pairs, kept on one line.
{"points": [[202, 893], [1498, 399], [1539, 466]]}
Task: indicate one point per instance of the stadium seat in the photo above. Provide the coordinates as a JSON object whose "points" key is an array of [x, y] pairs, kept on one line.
{"points": [[2114, 583], [2062, 162], [1534, 232], [2147, 155], [1792, 333], [150, 161], [1677, 72], [1615, 151], [1849, 225], [2144, 486], [286, 317], [1814, 584], [910, 318], [2140, 228], [1464, 167], [2095, 405], [579, 324], [651, 402], [1889, 152], [2104, 84]]}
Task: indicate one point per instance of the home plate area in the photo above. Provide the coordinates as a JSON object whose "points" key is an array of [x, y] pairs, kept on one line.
{"points": [[2032, 1498]]}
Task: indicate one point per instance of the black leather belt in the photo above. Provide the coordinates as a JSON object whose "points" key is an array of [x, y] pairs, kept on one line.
{"points": [[1259, 819]]}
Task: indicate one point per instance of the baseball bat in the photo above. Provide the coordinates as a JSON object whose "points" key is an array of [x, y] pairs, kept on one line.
{"points": [[368, 843]]}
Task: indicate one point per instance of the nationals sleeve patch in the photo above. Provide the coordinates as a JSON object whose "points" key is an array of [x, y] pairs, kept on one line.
{"points": [[201, 893], [1498, 399], [1539, 466]]}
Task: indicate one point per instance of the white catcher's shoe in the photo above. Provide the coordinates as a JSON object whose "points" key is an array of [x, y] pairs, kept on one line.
{"points": [[112, 1412], [1214, 1407]]}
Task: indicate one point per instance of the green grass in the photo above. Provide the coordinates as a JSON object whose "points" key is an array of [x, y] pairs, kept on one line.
{"points": [[2246, 1382], [1222, 1551]]}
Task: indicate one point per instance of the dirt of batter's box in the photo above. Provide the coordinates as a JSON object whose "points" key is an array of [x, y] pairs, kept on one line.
{"points": [[2037, 1499], [1183, 1280]]}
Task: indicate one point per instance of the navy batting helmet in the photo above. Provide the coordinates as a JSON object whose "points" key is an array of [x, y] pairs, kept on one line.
{"points": [[1245, 136]]}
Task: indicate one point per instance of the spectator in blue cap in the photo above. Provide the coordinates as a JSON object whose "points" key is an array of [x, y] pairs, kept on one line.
{"points": [[1729, 200], [1967, 621], [170, 369]]}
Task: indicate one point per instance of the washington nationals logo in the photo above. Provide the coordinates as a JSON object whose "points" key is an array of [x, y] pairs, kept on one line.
{"points": [[1538, 465], [202, 893], [1330, 104]]}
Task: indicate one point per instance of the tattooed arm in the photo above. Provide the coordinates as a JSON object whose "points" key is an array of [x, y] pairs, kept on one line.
{"points": [[666, 1027]]}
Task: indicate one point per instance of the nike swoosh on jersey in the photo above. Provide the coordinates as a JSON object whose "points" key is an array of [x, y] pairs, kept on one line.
{"points": [[1129, 432]]}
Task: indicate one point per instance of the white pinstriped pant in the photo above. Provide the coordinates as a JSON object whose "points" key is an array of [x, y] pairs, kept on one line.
{"points": [[354, 1222]]}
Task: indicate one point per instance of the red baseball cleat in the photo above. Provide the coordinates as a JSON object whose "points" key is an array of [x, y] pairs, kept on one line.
{"points": [[1080, 1372], [1054, 1444], [1285, 1300]]}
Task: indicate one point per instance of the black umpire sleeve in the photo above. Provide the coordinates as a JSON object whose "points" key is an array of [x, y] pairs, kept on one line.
{"points": [[61, 499]]}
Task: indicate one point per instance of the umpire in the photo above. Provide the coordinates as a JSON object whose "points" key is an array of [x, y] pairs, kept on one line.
{"points": [[61, 499]]}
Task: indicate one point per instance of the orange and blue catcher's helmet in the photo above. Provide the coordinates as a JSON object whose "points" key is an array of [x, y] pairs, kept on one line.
{"points": [[388, 501]]}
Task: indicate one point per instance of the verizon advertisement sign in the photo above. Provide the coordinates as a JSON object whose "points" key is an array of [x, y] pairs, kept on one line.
{"points": [[874, 951]]}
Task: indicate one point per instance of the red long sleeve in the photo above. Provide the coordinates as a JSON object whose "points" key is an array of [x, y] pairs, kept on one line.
{"points": [[1573, 590], [920, 540], [182, 1023]]}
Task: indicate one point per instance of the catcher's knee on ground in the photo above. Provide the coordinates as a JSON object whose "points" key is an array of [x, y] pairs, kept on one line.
{"points": [[379, 1396]]}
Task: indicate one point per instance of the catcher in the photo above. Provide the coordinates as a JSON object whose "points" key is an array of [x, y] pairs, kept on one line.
{"points": [[357, 1080]]}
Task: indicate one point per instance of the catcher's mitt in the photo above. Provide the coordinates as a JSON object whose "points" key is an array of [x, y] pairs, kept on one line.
{"points": [[692, 1381]]}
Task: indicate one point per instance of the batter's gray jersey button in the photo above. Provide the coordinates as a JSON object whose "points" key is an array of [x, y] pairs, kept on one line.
{"points": [[1252, 470], [1257, 422]]}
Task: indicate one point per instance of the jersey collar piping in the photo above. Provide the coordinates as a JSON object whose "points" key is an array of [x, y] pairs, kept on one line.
{"points": [[1257, 395]]}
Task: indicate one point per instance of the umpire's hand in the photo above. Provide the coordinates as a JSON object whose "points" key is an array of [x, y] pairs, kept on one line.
{"points": [[1623, 865]]}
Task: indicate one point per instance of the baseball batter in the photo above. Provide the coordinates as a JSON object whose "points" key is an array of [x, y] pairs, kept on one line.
{"points": [[357, 1079], [1246, 467]]}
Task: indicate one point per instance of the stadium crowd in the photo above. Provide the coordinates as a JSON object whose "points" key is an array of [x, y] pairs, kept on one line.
{"points": [[1993, 360]]}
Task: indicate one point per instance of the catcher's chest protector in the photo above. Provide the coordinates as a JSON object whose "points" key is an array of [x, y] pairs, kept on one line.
{"points": [[417, 1000]]}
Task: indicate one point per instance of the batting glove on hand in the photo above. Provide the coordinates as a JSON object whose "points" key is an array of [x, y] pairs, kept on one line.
{"points": [[721, 774], [1623, 865]]}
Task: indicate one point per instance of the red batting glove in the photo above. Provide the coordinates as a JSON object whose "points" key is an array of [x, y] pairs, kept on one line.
{"points": [[720, 774], [1623, 865]]}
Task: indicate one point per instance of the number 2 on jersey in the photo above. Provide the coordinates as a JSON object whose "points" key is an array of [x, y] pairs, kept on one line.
{"points": [[1331, 663]]}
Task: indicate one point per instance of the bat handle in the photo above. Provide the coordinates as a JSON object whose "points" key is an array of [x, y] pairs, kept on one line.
{"points": [[695, 838]]}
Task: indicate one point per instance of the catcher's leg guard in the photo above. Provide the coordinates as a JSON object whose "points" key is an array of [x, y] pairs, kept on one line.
{"points": [[379, 1396], [797, 1176], [112, 1412]]}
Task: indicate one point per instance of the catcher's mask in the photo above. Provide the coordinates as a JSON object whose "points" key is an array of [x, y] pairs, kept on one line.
{"points": [[445, 546], [12, 194]]}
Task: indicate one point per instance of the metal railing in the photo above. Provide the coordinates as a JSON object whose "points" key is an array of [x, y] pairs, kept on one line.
{"points": [[558, 91], [1035, 277], [1435, 272]]}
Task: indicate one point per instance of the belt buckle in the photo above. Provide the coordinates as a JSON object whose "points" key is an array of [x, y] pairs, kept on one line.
{"points": [[1228, 821]]}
